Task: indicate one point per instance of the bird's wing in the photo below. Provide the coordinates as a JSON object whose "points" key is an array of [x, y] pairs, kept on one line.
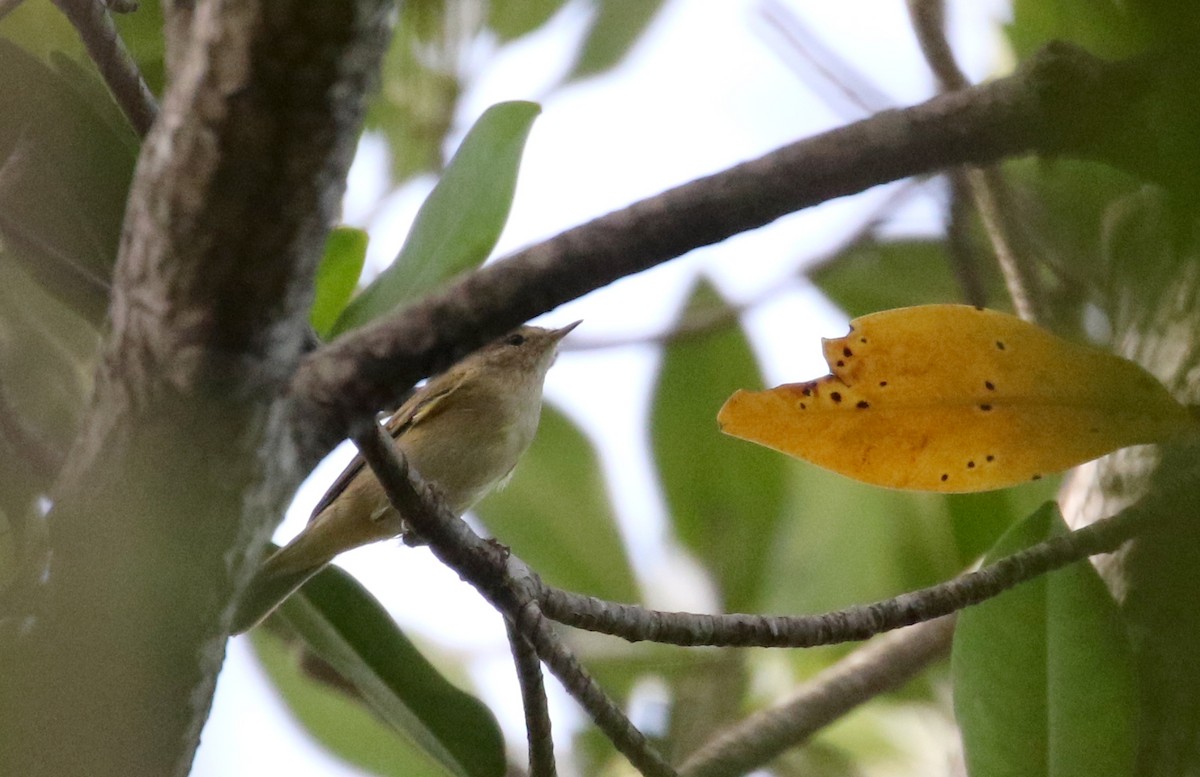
{"points": [[417, 407]]}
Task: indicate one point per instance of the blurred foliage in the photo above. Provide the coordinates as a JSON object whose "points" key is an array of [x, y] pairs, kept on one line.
{"points": [[770, 535], [355, 637], [726, 498], [615, 27], [439, 45], [877, 274], [1043, 674], [340, 722]]}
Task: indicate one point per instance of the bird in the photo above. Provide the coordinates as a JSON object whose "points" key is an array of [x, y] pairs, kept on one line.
{"points": [[463, 431]]}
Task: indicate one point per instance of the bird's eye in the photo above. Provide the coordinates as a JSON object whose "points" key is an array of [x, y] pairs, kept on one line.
{"points": [[515, 339]]}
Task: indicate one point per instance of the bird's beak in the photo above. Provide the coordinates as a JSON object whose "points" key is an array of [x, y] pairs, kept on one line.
{"points": [[562, 332]]}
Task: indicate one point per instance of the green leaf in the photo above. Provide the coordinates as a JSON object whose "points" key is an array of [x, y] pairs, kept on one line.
{"points": [[617, 26], [726, 498], [64, 178], [979, 519], [1043, 674], [455, 733], [142, 32], [846, 543], [337, 276], [421, 82], [461, 220], [511, 19], [1106, 28], [881, 275], [556, 515]]}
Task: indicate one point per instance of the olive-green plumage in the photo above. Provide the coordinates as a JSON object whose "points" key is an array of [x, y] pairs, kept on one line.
{"points": [[464, 431]]}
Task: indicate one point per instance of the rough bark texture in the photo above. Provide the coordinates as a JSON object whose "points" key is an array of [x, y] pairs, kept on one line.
{"points": [[183, 463], [206, 414]]}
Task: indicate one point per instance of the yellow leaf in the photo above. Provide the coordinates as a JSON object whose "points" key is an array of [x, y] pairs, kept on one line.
{"points": [[954, 398]]}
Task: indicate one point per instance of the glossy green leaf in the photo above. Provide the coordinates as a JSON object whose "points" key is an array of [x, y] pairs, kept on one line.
{"points": [[556, 515], [726, 499], [459, 223], [1043, 674], [453, 731], [617, 26], [881, 275], [337, 276]]}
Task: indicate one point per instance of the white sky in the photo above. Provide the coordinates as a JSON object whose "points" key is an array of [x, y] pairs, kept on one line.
{"points": [[705, 89]]}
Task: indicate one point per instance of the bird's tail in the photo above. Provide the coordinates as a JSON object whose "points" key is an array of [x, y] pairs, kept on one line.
{"points": [[274, 581]]}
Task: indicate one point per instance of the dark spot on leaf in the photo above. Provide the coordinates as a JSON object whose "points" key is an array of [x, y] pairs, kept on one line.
{"points": [[945, 477], [835, 396], [862, 340], [807, 391], [990, 457], [985, 408], [882, 383], [841, 363], [1036, 477], [863, 404], [847, 352], [979, 308], [989, 385], [803, 406], [970, 465], [1000, 344]]}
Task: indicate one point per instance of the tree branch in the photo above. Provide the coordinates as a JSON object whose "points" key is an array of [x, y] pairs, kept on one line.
{"points": [[339, 385], [883, 664], [184, 460], [635, 623], [987, 186], [104, 45], [533, 697], [508, 585]]}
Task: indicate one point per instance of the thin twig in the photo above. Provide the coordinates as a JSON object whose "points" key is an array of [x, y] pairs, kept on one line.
{"points": [[485, 566], [104, 45], [883, 664], [836, 79], [994, 203], [989, 190], [605, 712], [533, 696], [964, 259], [853, 623]]}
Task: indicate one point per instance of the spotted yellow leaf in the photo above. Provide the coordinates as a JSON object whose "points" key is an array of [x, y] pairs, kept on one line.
{"points": [[954, 398]]}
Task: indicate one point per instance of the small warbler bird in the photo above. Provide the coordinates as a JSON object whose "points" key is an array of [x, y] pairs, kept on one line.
{"points": [[463, 431]]}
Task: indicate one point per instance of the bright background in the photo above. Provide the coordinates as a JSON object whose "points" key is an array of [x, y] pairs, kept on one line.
{"points": [[710, 84]]}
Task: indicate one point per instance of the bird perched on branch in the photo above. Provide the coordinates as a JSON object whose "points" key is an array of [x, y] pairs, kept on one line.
{"points": [[463, 431]]}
